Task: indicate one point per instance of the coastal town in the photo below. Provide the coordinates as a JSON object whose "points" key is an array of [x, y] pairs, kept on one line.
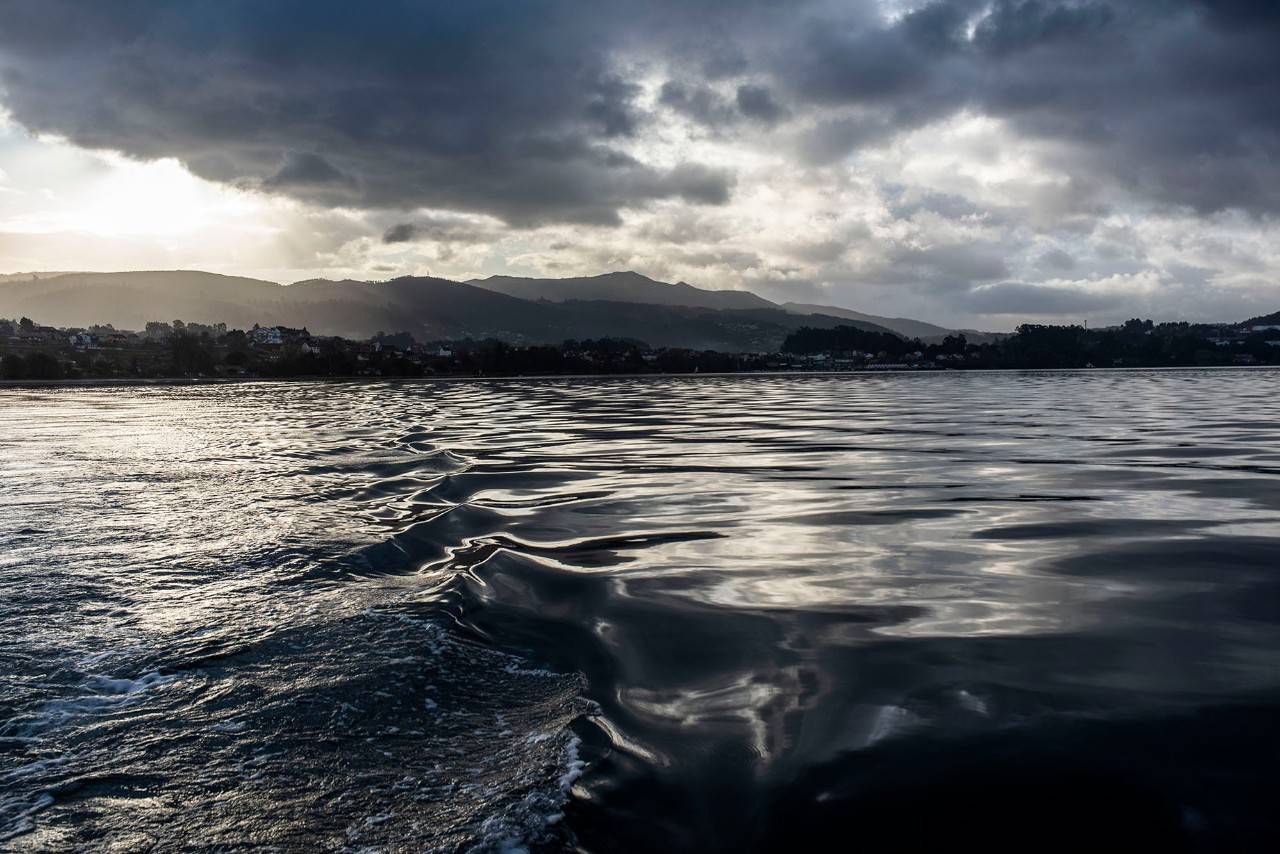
{"points": [[175, 349]]}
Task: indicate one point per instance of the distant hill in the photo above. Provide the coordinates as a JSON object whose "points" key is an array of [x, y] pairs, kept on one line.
{"points": [[904, 326], [129, 300], [428, 308], [438, 308], [634, 288], [1272, 319], [424, 306], [621, 287], [927, 332], [29, 277]]}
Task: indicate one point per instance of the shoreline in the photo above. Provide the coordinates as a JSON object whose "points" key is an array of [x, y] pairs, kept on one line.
{"points": [[140, 382]]}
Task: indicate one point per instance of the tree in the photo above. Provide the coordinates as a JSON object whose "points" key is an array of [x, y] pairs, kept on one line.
{"points": [[843, 339], [157, 331], [190, 356], [42, 366], [13, 367], [1036, 346]]}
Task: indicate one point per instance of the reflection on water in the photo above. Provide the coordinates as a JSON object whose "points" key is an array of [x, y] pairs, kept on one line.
{"points": [[759, 609]]}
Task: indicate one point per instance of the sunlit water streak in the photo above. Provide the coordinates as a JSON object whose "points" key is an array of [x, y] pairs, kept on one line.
{"points": [[404, 615]]}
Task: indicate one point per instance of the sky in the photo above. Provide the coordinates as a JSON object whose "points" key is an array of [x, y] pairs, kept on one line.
{"points": [[975, 163]]}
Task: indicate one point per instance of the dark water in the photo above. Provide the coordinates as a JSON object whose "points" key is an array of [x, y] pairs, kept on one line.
{"points": [[1001, 611]]}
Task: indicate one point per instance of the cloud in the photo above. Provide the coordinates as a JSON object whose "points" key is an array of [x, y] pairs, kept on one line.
{"points": [[1056, 260], [506, 108], [1021, 298], [1160, 98], [757, 102], [935, 268], [906, 202], [1022, 25], [961, 155], [706, 105], [443, 228], [302, 169], [534, 113], [307, 173], [402, 233], [698, 102]]}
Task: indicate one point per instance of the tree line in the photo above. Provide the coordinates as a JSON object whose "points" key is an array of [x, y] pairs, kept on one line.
{"points": [[1136, 343]]}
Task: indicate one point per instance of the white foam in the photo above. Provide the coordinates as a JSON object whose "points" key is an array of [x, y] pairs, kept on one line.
{"points": [[575, 767], [32, 769], [889, 721], [110, 693], [515, 668], [96, 658], [130, 686], [973, 703]]}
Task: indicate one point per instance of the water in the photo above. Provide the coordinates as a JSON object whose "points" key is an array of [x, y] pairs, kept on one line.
{"points": [[1008, 609]]}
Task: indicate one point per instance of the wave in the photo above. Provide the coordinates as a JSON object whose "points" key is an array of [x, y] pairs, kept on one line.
{"points": [[723, 613]]}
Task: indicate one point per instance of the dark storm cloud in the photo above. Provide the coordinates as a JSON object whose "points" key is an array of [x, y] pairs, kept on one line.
{"points": [[705, 105], [698, 102], [1171, 101], [401, 233], [509, 108], [533, 112], [441, 228], [307, 172], [1012, 27], [757, 102]]}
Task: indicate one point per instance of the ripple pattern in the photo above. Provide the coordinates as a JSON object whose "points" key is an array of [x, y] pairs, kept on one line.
{"points": [[713, 613]]}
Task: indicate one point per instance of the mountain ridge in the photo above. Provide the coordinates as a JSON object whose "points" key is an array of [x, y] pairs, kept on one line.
{"points": [[622, 286], [520, 310], [639, 288], [907, 327]]}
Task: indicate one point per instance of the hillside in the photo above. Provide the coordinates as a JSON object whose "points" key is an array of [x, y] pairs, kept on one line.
{"points": [[621, 287], [31, 277], [631, 287], [428, 308], [1272, 319], [129, 300], [904, 326]]}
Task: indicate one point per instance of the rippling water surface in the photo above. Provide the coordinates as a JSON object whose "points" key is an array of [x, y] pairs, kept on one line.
{"points": [[993, 609]]}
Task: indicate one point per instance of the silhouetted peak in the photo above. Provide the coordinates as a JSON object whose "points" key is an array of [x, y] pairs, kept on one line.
{"points": [[630, 275]]}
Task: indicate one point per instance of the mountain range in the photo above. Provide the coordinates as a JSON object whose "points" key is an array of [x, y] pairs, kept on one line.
{"points": [[519, 310]]}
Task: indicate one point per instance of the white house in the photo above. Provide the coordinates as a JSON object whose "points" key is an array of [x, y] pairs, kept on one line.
{"points": [[267, 335]]}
